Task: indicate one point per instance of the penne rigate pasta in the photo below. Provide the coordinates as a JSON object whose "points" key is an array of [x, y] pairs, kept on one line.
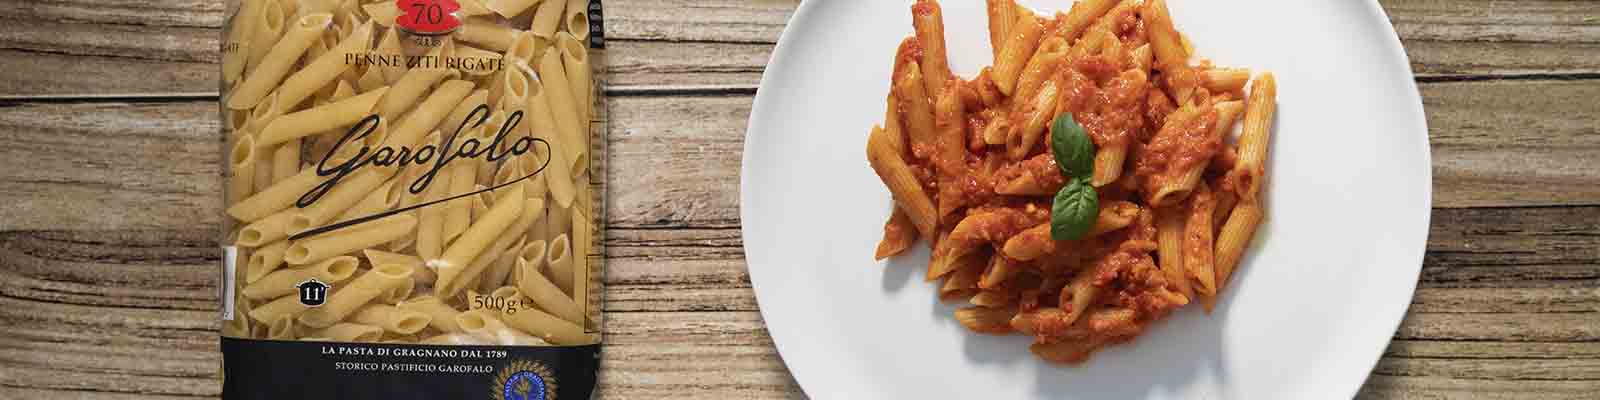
{"points": [[348, 332], [544, 293], [1002, 14], [277, 62], [358, 292], [391, 172], [1170, 232], [928, 20], [548, 18], [1083, 186], [908, 192], [265, 260], [509, 8], [1020, 44], [441, 316], [268, 25], [575, 19], [283, 282], [315, 120], [235, 52], [391, 318], [1255, 138]]}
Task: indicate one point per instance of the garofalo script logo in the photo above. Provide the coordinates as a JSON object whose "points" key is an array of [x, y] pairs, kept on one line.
{"points": [[434, 157]]}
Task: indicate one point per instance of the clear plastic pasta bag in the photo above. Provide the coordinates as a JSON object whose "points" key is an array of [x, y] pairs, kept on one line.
{"points": [[413, 191]]}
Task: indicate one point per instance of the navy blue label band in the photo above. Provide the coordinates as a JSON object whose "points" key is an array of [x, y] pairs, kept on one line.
{"points": [[275, 370]]}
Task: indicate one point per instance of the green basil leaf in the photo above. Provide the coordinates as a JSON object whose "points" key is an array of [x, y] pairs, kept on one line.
{"points": [[1075, 210], [1073, 150]]}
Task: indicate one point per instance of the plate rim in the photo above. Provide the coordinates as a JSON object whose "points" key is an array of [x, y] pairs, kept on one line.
{"points": [[1395, 314]]}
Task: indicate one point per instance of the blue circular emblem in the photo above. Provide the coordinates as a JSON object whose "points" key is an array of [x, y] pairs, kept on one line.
{"points": [[524, 385]]}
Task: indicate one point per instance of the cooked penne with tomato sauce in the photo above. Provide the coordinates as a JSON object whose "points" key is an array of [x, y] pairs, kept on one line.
{"points": [[1085, 186]]}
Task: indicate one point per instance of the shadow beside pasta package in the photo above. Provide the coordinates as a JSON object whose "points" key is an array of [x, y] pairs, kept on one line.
{"points": [[413, 190]]}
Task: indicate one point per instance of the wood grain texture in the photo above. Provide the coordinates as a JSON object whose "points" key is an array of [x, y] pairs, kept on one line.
{"points": [[719, 43], [107, 259]]}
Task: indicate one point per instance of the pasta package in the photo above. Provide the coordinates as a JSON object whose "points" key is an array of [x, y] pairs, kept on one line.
{"points": [[413, 193]]}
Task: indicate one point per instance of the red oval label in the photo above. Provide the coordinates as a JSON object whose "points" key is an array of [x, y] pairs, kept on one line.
{"points": [[428, 17]]}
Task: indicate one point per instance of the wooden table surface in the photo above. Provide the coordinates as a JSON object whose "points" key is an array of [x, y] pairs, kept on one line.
{"points": [[109, 201]]}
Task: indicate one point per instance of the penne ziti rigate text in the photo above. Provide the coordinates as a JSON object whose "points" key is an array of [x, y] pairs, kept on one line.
{"points": [[405, 174], [1087, 184]]}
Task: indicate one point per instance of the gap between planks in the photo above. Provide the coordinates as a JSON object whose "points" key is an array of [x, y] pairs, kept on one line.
{"points": [[623, 91], [693, 90]]}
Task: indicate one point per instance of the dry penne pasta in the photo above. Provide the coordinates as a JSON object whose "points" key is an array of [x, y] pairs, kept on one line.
{"points": [[358, 292], [575, 19], [509, 8], [486, 325], [236, 52], [490, 35], [383, 12], [442, 317], [582, 245], [348, 332], [381, 199], [558, 258], [268, 25], [242, 168], [546, 295], [283, 307], [575, 62], [479, 236], [391, 318], [277, 62], [388, 166], [282, 328], [265, 260], [322, 247], [547, 18], [283, 282], [564, 108]]}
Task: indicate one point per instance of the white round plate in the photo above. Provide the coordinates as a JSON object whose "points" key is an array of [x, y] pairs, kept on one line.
{"points": [[1312, 306]]}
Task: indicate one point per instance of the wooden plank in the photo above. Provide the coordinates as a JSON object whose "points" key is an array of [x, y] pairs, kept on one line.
{"points": [[1538, 327], [736, 21], [641, 64], [1380, 387], [1506, 142], [702, 269], [714, 354], [1488, 37], [676, 159], [119, 308], [128, 165], [652, 42], [1439, 349], [702, 43], [1505, 369], [1513, 247], [36, 72]]}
